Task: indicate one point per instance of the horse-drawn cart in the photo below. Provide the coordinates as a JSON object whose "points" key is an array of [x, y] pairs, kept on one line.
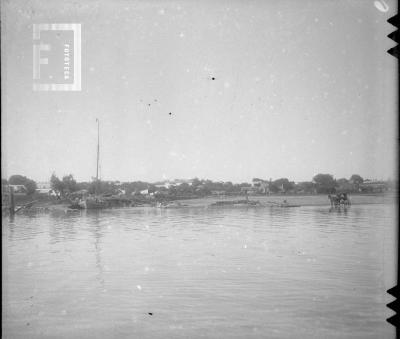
{"points": [[339, 199]]}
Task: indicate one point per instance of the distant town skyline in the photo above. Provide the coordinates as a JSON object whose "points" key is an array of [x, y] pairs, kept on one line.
{"points": [[226, 91], [181, 180]]}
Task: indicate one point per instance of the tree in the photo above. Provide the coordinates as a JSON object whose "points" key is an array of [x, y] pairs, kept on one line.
{"points": [[29, 184], [172, 191], [325, 183], [196, 182], [69, 183], [306, 187], [82, 185], [102, 187], [228, 187], [345, 185], [184, 188], [342, 181], [131, 187], [282, 184], [56, 184], [356, 179], [257, 181]]}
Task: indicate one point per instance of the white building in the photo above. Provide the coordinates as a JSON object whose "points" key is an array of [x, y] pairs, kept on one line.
{"points": [[43, 184], [46, 191]]}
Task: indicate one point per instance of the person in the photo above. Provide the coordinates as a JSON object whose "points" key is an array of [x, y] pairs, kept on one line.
{"points": [[346, 199]]}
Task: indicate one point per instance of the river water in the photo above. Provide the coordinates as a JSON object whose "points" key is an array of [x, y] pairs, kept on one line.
{"points": [[200, 273]]}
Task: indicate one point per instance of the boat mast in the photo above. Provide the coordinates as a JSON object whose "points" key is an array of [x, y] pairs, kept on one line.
{"points": [[98, 154]]}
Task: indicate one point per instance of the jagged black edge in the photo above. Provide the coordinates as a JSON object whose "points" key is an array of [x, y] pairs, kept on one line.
{"points": [[394, 305], [394, 51], [395, 291]]}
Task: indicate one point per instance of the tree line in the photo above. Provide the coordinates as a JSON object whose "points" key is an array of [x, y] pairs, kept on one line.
{"points": [[320, 184]]}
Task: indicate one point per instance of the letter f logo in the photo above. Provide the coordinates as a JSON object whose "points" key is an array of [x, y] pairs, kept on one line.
{"points": [[38, 60]]}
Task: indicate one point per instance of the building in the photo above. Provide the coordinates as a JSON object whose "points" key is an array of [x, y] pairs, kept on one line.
{"points": [[164, 185], [178, 182], [373, 186], [19, 189], [43, 184], [262, 186]]}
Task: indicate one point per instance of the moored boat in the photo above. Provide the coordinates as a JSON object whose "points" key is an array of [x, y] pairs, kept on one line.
{"points": [[95, 201]]}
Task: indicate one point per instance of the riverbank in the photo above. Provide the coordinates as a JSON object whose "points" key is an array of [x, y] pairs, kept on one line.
{"points": [[302, 200], [50, 204]]}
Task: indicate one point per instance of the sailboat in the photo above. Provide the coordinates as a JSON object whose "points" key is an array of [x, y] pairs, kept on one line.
{"points": [[95, 201]]}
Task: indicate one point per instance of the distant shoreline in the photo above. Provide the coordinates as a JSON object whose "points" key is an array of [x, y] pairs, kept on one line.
{"points": [[303, 200], [265, 201]]}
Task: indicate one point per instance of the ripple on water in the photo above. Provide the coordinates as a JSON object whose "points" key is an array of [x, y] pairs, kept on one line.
{"points": [[242, 272]]}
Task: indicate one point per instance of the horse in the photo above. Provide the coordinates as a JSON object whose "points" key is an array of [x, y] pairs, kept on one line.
{"points": [[334, 199]]}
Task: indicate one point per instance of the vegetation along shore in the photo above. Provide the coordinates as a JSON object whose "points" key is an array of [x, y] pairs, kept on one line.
{"points": [[59, 194]]}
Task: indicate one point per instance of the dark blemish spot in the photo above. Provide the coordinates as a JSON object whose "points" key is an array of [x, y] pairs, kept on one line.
{"points": [[212, 78], [27, 324], [170, 113], [149, 104], [150, 313]]}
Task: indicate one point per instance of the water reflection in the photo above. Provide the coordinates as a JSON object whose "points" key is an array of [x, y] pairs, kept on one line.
{"points": [[341, 209], [62, 227], [295, 271], [96, 229]]}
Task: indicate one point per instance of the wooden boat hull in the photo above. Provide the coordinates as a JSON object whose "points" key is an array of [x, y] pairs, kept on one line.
{"points": [[94, 203]]}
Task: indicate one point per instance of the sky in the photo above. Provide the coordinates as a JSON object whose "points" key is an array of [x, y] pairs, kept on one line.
{"points": [[224, 90]]}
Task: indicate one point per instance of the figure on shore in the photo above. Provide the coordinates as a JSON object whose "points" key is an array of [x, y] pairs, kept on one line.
{"points": [[344, 199], [334, 199]]}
